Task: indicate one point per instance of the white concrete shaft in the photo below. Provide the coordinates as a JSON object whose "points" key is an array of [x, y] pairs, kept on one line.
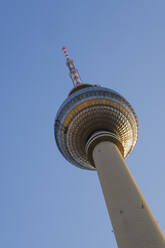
{"points": [[133, 223]]}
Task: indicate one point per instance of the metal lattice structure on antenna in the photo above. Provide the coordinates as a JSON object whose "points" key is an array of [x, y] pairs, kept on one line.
{"points": [[74, 74]]}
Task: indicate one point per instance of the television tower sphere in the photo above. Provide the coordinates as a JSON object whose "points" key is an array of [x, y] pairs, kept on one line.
{"points": [[91, 110]]}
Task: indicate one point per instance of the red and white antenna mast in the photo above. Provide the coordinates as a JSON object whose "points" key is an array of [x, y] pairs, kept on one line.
{"points": [[74, 74]]}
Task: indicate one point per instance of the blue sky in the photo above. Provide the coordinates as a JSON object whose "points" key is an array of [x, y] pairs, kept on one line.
{"points": [[45, 201]]}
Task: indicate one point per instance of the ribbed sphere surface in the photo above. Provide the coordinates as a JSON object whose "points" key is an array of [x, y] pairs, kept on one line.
{"points": [[89, 110]]}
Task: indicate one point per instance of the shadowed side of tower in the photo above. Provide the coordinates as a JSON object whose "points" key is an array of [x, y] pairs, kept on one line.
{"points": [[95, 129]]}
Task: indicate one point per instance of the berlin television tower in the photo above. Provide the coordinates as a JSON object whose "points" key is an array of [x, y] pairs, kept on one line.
{"points": [[95, 129]]}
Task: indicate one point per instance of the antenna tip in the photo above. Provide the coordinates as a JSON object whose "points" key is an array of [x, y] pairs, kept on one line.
{"points": [[66, 53]]}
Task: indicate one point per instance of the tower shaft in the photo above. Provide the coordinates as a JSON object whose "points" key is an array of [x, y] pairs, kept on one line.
{"points": [[133, 223]]}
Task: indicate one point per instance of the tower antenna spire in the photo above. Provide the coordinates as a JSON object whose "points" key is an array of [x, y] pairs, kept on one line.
{"points": [[74, 74]]}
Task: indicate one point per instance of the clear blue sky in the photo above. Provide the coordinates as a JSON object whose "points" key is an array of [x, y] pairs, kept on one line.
{"points": [[45, 201]]}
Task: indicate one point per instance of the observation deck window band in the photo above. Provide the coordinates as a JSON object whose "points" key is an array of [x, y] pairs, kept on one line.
{"points": [[99, 102], [96, 102], [97, 92], [96, 139]]}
